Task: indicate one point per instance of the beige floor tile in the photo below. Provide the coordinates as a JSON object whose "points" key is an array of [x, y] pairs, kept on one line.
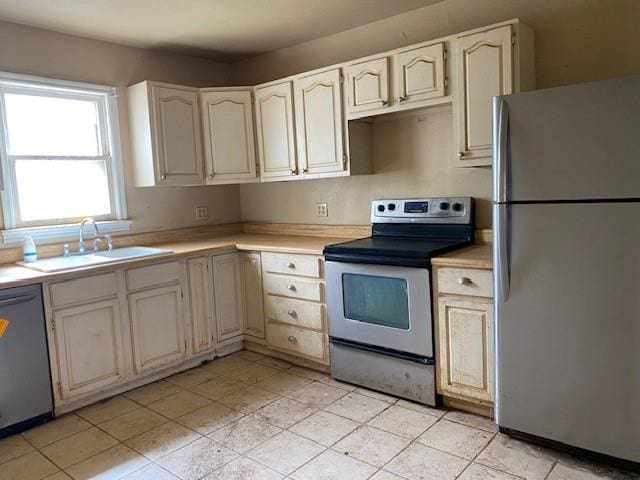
{"points": [[418, 462], [326, 379], [248, 399], [283, 382], [178, 404], [191, 378], [577, 469], [285, 452], [403, 422], [275, 363], [162, 440], [357, 407], [209, 418], [371, 445], [151, 472], [475, 471], [243, 469], [55, 430], [249, 355], [419, 407], [252, 373], [390, 399], [244, 434], [197, 459], [152, 392], [471, 420], [226, 365], [513, 456], [382, 475], [78, 447], [455, 438], [307, 373], [32, 466], [58, 476], [317, 394], [13, 447], [285, 412], [218, 387], [107, 409], [108, 465], [324, 428], [132, 423], [332, 465]]}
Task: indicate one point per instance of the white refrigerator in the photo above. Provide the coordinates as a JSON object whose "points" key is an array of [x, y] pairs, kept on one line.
{"points": [[567, 258]]}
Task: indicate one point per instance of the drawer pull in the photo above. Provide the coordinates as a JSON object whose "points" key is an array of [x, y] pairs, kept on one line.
{"points": [[291, 265], [293, 339], [464, 281], [291, 287], [292, 313]]}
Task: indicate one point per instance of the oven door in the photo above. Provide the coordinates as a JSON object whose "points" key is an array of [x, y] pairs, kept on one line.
{"points": [[381, 306]]}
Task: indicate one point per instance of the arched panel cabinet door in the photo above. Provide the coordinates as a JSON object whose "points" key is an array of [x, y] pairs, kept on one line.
{"points": [[484, 69], [419, 74], [368, 85]]}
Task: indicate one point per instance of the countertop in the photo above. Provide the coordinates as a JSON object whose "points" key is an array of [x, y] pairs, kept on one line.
{"points": [[475, 256]]}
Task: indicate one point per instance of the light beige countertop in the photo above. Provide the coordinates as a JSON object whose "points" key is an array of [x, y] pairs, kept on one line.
{"points": [[475, 256], [12, 275]]}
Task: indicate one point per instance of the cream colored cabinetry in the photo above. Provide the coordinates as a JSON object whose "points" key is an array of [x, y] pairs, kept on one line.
{"points": [[252, 275], [276, 131], [228, 286], [368, 85], [202, 304], [492, 62], [227, 127], [464, 330], [320, 123], [419, 74], [165, 131]]}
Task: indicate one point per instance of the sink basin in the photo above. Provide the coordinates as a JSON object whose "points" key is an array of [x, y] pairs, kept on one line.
{"points": [[56, 264]]}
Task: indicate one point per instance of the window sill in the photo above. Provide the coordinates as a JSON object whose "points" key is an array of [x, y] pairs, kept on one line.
{"points": [[62, 232]]}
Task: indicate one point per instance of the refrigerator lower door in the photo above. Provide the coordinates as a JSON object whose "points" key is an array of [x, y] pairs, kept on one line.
{"points": [[568, 333]]}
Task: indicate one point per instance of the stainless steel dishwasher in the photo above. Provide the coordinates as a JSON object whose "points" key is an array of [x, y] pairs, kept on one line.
{"points": [[25, 379]]}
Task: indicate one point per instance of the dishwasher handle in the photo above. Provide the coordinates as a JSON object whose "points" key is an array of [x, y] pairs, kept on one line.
{"points": [[5, 302]]}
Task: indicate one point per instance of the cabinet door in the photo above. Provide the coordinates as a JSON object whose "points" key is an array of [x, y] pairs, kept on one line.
{"points": [[252, 272], [228, 289], [465, 340], [484, 70], [368, 85], [89, 348], [319, 122], [227, 124], [419, 73], [202, 304], [177, 135], [275, 131], [157, 328]]}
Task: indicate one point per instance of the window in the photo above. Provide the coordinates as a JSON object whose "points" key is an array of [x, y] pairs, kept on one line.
{"points": [[60, 155]]}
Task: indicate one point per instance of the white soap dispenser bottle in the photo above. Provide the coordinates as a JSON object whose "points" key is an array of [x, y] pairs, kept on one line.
{"points": [[29, 252]]}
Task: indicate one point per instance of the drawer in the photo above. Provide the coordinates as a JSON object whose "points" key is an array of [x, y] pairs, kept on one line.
{"points": [[83, 290], [303, 265], [295, 312], [292, 287], [158, 274], [296, 341], [465, 281]]}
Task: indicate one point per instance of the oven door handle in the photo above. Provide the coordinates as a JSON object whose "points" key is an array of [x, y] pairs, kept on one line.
{"points": [[385, 351]]}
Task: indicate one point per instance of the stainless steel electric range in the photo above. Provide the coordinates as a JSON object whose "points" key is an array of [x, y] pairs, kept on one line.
{"points": [[379, 294]]}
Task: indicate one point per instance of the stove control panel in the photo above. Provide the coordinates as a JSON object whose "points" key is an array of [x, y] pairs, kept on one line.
{"points": [[423, 210]]}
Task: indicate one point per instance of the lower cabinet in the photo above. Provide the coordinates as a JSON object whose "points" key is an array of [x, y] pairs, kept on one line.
{"points": [[202, 304], [228, 287], [157, 328], [89, 348], [252, 273]]}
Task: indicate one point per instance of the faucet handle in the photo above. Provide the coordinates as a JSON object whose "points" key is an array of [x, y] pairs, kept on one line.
{"points": [[109, 240], [66, 250], [96, 244]]}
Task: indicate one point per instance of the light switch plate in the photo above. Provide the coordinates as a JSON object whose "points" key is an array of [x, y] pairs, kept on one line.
{"points": [[202, 213], [321, 210]]}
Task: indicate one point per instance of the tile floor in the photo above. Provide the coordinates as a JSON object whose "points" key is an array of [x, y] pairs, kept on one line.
{"points": [[250, 417]]}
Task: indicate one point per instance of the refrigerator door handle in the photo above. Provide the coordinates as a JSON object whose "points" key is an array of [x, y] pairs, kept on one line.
{"points": [[500, 138], [501, 251]]}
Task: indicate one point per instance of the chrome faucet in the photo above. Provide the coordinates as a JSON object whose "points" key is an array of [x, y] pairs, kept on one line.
{"points": [[91, 221]]}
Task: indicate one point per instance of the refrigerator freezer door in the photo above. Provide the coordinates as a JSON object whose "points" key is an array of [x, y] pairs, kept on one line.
{"points": [[571, 143], [568, 335]]}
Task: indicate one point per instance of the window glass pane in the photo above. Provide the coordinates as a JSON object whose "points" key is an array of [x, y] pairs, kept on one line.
{"points": [[51, 189], [376, 300], [40, 125]]}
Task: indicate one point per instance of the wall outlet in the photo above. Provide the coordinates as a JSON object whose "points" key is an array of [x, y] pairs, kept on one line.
{"points": [[202, 213], [321, 210]]}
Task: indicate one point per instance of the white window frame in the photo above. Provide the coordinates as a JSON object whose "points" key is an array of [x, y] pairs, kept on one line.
{"points": [[106, 101]]}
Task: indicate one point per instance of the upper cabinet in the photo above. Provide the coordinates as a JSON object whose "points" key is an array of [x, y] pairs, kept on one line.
{"points": [[419, 74], [320, 123], [368, 85], [276, 131], [488, 63], [227, 130], [165, 130]]}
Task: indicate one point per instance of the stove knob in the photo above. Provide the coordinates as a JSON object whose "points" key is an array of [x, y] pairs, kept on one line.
{"points": [[381, 208], [391, 206], [457, 207], [444, 205]]}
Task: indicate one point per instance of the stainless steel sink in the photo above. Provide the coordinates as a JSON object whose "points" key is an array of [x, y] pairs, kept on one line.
{"points": [[56, 264]]}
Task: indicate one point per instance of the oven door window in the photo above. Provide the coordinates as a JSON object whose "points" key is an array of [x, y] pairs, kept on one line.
{"points": [[376, 300]]}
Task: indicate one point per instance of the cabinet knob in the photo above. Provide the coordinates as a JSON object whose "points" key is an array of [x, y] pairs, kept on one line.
{"points": [[291, 265], [210, 177], [293, 171], [460, 154], [163, 177], [291, 287], [402, 99], [306, 170], [292, 313], [384, 102], [293, 339], [464, 281]]}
